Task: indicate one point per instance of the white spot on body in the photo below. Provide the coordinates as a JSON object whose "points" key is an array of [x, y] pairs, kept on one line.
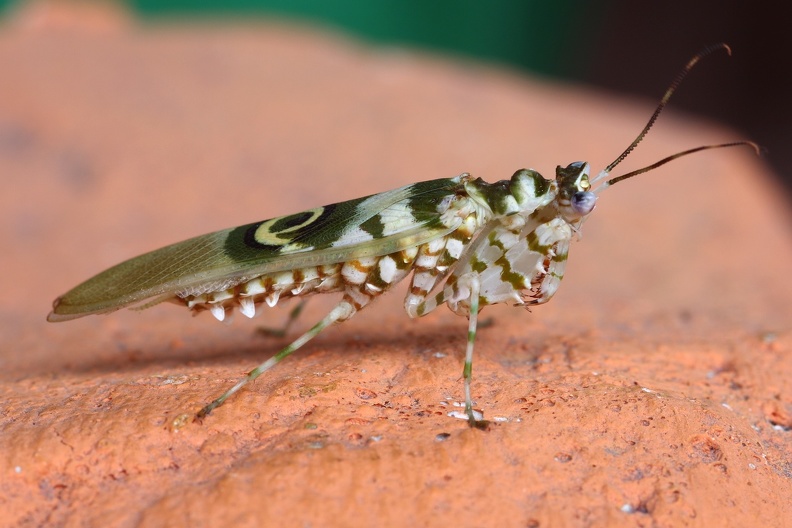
{"points": [[356, 271], [411, 303], [329, 269], [549, 287], [507, 238], [328, 284], [454, 248], [409, 254], [359, 297], [436, 245], [513, 222], [247, 307], [253, 287], [510, 204], [426, 261], [396, 218], [218, 297], [430, 252], [387, 269], [458, 212], [461, 292], [283, 280], [309, 274], [442, 207], [192, 303], [372, 289], [272, 299], [470, 225], [353, 275], [551, 232], [354, 235], [218, 311], [424, 280]]}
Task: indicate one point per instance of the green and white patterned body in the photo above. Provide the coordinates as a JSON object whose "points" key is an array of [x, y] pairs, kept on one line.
{"points": [[466, 242], [361, 248]]}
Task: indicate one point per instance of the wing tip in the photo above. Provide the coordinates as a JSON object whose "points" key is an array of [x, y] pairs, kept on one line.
{"points": [[57, 314]]}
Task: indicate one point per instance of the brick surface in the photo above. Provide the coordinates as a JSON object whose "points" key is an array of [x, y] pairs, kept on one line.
{"points": [[653, 390]]}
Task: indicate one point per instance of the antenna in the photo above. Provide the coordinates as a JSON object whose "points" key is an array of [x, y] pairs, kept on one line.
{"points": [[663, 102], [675, 156]]}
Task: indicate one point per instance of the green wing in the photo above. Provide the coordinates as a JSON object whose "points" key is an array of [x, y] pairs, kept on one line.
{"points": [[375, 225]]}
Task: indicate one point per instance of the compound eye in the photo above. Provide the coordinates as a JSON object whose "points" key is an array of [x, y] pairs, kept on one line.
{"points": [[583, 202]]}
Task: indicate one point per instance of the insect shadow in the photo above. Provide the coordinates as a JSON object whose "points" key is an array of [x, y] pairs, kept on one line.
{"points": [[198, 351]]}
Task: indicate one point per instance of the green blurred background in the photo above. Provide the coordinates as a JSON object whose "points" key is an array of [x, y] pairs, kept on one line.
{"points": [[633, 47]]}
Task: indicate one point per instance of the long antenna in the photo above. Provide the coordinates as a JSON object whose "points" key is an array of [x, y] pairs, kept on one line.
{"points": [[668, 93], [672, 158]]}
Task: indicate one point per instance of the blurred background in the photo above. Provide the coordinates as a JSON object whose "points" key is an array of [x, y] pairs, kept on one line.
{"points": [[630, 47]]}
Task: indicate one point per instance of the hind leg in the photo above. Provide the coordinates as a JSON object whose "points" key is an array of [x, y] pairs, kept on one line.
{"points": [[342, 311]]}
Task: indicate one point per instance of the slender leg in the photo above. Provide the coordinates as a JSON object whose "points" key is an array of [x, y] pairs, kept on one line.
{"points": [[418, 306], [343, 310], [467, 371], [282, 331]]}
